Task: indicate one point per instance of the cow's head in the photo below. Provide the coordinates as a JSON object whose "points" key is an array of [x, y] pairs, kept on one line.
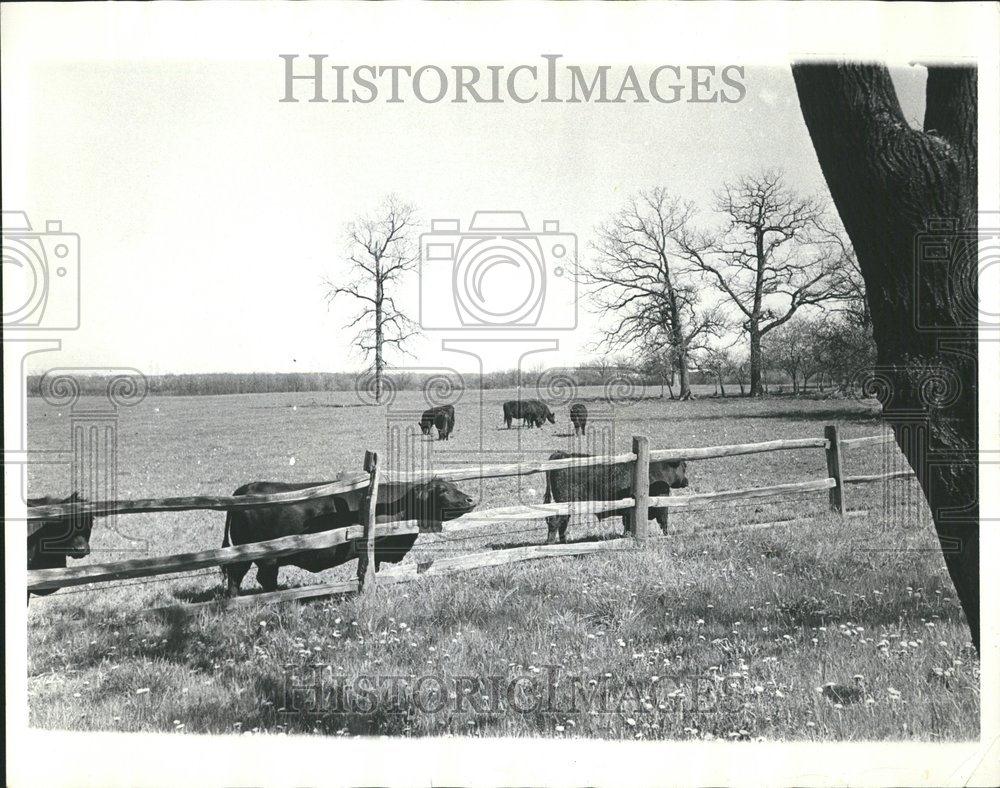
{"points": [[663, 477], [550, 417], [425, 426], [439, 500], [67, 536]]}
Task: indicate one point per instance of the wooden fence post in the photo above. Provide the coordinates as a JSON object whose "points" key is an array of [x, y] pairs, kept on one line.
{"points": [[640, 486], [366, 558], [834, 470]]}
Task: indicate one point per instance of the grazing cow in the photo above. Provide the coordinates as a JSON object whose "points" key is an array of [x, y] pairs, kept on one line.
{"points": [[608, 483], [428, 502], [532, 412], [444, 421], [440, 416], [51, 541], [578, 415]]}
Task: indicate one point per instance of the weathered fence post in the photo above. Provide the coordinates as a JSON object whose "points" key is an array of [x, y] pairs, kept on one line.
{"points": [[640, 486], [366, 557], [833, 469]]}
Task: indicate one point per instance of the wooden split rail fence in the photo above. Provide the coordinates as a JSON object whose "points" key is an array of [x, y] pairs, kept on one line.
{"points": [[365, 533]]}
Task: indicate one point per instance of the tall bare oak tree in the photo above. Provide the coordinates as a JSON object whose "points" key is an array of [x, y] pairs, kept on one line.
{"points": [[773, 258], [381, 248], [640, 281]]}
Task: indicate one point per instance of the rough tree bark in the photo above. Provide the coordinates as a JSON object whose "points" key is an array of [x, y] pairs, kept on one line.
{"points": [[908, 201], [756, 372]]}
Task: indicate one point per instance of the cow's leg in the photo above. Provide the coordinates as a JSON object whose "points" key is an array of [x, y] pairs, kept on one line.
{"points": [[234, 576], [557, 525], [628, 520], [267, 575]]}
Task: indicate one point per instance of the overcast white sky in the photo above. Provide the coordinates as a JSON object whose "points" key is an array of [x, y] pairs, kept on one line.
{"points": [[209, 212]]}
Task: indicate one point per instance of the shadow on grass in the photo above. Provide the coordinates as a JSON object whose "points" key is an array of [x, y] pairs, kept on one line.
{"points": [[194, 595]]}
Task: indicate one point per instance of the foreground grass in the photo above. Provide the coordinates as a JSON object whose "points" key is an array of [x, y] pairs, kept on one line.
{"points": [[687, 638], [720, 630]]}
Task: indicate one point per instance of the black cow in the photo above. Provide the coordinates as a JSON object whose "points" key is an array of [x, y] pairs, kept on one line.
{"points": [[444, 421], [428, 502], [442, 417], [578, 415], [608, 483], [532, 412], [50, 542]]}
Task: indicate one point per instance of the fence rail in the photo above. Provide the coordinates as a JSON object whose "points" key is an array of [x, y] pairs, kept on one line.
{"points": [[880, 477], [737, 449], [195, 502], [538, 511], [775, 490], [366, 531], [361, 481], [42, 579], [850, 443], [511, 469]]}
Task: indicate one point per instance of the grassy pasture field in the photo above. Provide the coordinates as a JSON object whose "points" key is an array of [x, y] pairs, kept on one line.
{"points": [[718, 630]]}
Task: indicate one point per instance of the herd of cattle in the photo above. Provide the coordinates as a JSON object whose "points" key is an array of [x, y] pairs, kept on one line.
{"points": [[430, 503], [531, 412]]}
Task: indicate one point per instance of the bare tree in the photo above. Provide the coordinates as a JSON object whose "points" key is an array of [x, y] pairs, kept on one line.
{"points": [[639, 280], [771, 260], [740, 372], [654, 358], [891, 184], [381, 249], [796, 348], [843, 351], [718, 363]]}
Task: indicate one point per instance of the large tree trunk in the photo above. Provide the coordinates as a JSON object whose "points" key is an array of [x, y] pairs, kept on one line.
{"points": [[756, 374], [908, 201], [682, 375], [679, 345], [378, 341]]}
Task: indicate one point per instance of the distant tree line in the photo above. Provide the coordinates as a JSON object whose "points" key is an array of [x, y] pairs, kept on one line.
{"points": [[193, 384]]}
